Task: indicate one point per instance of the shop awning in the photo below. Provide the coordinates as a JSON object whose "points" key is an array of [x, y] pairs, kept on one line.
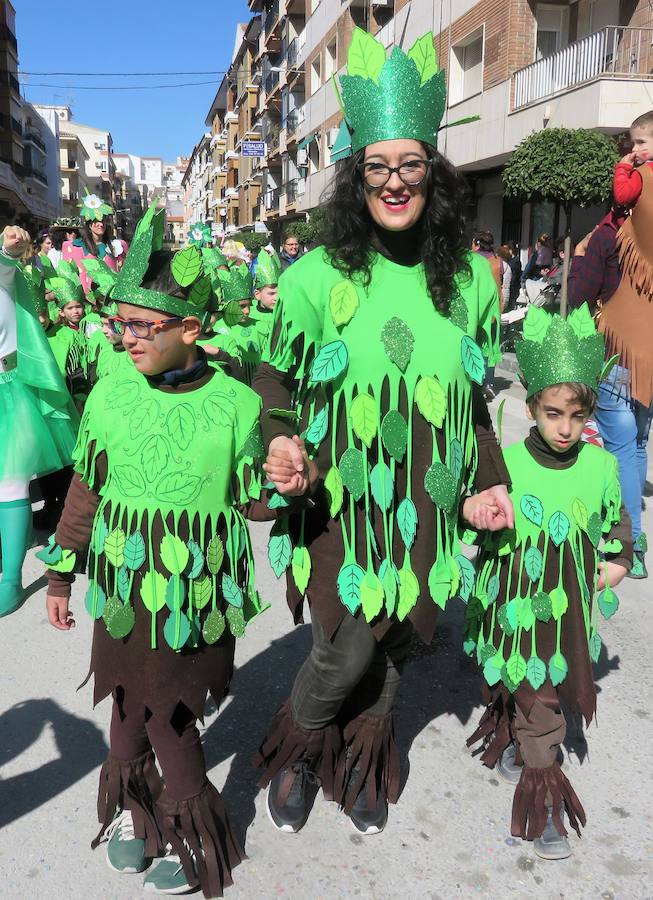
{"points": [[307, 140], [342, 146]]}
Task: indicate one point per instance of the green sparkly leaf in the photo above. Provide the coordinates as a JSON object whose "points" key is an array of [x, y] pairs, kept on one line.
{"points": [[595, 644], [536, 324], [382, 485], [423, 55], [455, 459], [504, 620], [214, 555], [175, 594], [154, 457], [343, 303], [608, 603], [594, 529], [558, 669], [458, 312], [134, 551], [408, 592], [398, 341], [316, 431], [641, 543], [349, 583], [176, 630], [174, 554], [613, 546], [486, 653], [100, 532], [542, 606], [536, 672], [180, 425], [352, 472], [202, 590], [516, 668], [441, 486], [472, 359], [366, 56], [407, 521], [431, 400], [559, 602], [279, 552], [301, 568], [186, 266], [558, 527], [493, 589], [390, 579], [153, 591], [372, 596], [195, 562], [121, 623], [114, 547], [95, 600], [532, 508], [364, 418], [130, 481], [329, 363], [124, 583], [533, 563], [200, 292], [232, 593], [579, 512], [334, 490], [143, 418], [236, 621], [213, 627], [467, 577], [180, 488], [394, 434]]}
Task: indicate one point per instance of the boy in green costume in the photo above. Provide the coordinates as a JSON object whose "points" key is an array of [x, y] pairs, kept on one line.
{"points": [[164, 461], [266, 291], [237, 289], [532, 614]]}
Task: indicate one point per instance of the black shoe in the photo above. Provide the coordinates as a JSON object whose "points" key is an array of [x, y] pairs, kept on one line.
{"points": [[299, 784], [364, 820], [639, 566]]}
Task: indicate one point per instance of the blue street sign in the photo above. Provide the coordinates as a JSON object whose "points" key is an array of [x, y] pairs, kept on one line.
{"points": [[253, 148]]}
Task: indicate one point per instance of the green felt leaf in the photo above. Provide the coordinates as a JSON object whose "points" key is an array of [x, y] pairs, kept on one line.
{"points": [[214, 555], [232, 313], [467, 576], [613, 546], [472, 359], [542, 606], [516, 668], [512, 612], [595, 643], [179, 488], [499, 421], [441, 486], [134, 551], [213, 627], [180, 425], [579, 512], [532, 508], [440, 583], [278, 501], [121, 623], [316, 431], [372, 596], [608, 367], [95, 600], [202, 590], [423, 55], [372, 536], [558, 669], [174, 554], [408, 592], [153, 591], [469, 646], [67, 562], [186, 266], [236, 621], [176, 630], [493, 589], [536, 324], [364, 418], [124, 583], [343, 303], [559, 602], [195, 562], [581, 322], [143, 418], [290, 414], [594, 529], [526, 618], [407, 521], [52, 552], [232, 593], [382, 485], [301, 568], [334, 490], [608, 602], [455, 459], [366, 56], [350, 579], [431, 400], [352, 472], [492, 669], [486, 653], [536, 672], [175, 594], [394, 434], [114, 547], [130, 480], [219, 409], [200, 292], [398, 341], [533, 563], [558, 527], [100, 532], [507, 680], [329, 363], [390, 580], [279, 552]]}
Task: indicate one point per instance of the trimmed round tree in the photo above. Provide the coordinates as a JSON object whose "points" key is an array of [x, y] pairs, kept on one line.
{"points": [[567, 166]]}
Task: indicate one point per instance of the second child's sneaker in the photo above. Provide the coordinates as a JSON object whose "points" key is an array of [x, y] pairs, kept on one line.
{"points": [[552, 844], [369, 821], [290, 796], [507, 768], [168, 877], [125, 852], [638, 569]]}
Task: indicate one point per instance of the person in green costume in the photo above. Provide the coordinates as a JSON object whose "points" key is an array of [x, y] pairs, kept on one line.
{"points": [[533, 613], [38, 423], [237, 288], [374, 416], [266, 291], [165, 462]]}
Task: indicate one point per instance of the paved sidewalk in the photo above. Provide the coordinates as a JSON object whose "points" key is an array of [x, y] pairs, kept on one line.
{"points": [[449, 835]]}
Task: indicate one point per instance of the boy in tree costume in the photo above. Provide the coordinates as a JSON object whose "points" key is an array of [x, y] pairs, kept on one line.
{"points": [[266, 280], [533, 615], [66, 338], [237, 288], [164, 461]]}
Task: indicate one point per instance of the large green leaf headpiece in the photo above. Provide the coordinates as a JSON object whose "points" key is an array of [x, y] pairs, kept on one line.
{"points": [[93, 208], [403, 96], [63, 281], [200, 235], [36, 286], [237, 283], [268, 269], [556, 350]]}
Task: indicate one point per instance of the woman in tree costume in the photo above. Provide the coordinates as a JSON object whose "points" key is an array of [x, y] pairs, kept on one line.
{"points": [[266, 280], [373, 360], [164, 458], [532, 613], [38, 423]]}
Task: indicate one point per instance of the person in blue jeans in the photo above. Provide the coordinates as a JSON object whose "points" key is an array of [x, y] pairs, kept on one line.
{"points": [[624, 425]]}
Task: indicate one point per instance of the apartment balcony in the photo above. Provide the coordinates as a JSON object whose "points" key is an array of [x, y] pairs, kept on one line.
{"points": [[231, 154], [10, 79], [271, 81], [231, 193], [289, 189], [6, 34], [35, 175], [271, 200], [292, 121], [272, 137], [231, 116], [272, 23], [32, 138]]}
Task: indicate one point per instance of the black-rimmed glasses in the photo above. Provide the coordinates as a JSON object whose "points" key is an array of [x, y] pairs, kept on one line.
{"points": [[137, 327], [412, 172]]}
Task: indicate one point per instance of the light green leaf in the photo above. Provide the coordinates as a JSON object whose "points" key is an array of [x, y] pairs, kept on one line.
{"points": [[579, 512], [219, 409], [301, 568], [581, 322], [114, 547], [186, 266], [516, 668], [558, 669], [343, 302], [202, 590], [431, 400], [595, 645], [408, 592], [613, 546], [95, 600], [382, 485], [154, 457], [407, 521], [424, 56], [499, 421], [174, 554], [364, 418], [334, 490], [559, 602], [467, 576], [372, 596], [536, 324], [195, 560], [279, 551], [366, 56], [153, 591], [66, 563], [214, 555]]}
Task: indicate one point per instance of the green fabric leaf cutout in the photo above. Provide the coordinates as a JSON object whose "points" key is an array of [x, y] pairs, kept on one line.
{"points": [[516, 668], [95, 595], [536, 672], [186, 266], [526, 617], [431, 400], [366, 56], [492, 670], [179, 488], [364, 418], [398, 341], [486, 653], [232, 593], [200, 292], [408, 592], [130, 480], [407, 521], [608, 603], [214, 555], [290, 414], [390, 580], [316, 431], [124, 583], [176, 630], [66, 563], [153, 591], [174, 554], [441, 486], [334, 490], [121, 623], [100, 532], [533, 563], [581, 322], [154, 457], [175, 594], [472, 359], [213, 627], [352, 472], [134, 551], [642, 542], [507, 680], [469, 646], [532, 508], [504, 620], [493, 589], [301, 568], [558, 527], [423, 55], [595, 643], [114, 547], [329, 363], [455, 459], [350, 579], [613, 546], [236, 621], [558, 669], [232, 313], [180, 425], [372, 596], [394, 434], [579, 512], [542, 606], [594, 529], [278, 501], [279, 552], [202, 590], [52, 552], [500, 422], [559, 603], [343, 303], [382, 485], [467, 576], [440, 583], [143, 419], [608, 367], [536, 324], [195, 562]]}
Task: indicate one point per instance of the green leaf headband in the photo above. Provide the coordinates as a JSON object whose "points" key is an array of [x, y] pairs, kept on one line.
{"points": [[93, 208], [200, 235], [63, 282], [268, 269], [237, 283], [556, 350], [36, 287]]}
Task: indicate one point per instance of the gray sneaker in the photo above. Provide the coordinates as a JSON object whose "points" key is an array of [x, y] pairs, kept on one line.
{"points": [[507, 768], [552, 845], [125, 852]]}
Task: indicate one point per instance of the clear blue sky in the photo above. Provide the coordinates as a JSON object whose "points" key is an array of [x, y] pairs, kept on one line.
{"points": [[131, 36]]}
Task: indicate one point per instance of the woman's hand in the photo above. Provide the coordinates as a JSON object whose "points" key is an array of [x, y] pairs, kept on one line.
{"points": [[491, 510], [610, 574], [58, 613], [289, 467]]}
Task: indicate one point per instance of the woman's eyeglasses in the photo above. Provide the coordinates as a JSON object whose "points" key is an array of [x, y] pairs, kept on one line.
{"points": [[138, 328], [412, 172]]}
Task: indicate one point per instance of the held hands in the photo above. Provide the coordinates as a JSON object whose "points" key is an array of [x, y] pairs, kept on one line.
{"points": [[15, 241], [610, 574], [491, 510], [289, 467], [58, 613]]}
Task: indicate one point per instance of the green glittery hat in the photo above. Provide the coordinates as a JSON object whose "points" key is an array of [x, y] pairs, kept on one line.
{"points": [[268, 269], [36, 286], [93, 208], [237, 283], [556, 350], [63, 282], [200, 235]]}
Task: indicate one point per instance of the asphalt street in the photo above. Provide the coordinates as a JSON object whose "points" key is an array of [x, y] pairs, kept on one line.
{"points": [[447, 837]]}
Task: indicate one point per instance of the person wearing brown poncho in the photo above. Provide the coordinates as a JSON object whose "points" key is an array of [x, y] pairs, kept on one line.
{"points": [[373, 413]]}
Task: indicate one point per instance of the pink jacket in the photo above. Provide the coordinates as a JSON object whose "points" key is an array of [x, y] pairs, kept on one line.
{"points": [[74, 250]]}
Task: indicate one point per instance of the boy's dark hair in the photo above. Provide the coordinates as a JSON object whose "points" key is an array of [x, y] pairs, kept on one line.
{"points": [[159, 277], [484, 239], [581, 393], [644, 121]]}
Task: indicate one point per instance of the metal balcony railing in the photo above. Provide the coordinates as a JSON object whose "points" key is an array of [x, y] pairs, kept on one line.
{"points": [[271, 135], [289, 52], [16, 126], [612, 52], [272, 199], [271, 17], [290, 190], [291, 121], [271, 81], [35, 139]]}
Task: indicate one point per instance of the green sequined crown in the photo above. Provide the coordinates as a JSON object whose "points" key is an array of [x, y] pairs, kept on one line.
{"points": [[237, 283], [403, 96], [268, 269], [63, 282], [556, 350], [36, 287]]}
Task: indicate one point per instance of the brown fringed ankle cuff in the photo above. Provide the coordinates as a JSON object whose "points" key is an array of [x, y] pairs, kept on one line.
{"points": [[493, 729], [538, 789], [287, 743], [369, 762], [199, 832], [133, 784]]}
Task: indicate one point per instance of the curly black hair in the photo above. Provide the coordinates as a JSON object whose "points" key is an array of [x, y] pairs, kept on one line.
{"points": [[346, 226]]}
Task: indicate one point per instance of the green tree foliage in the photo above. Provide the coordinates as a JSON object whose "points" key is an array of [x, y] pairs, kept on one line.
{"points": [[308, 233], [252, 240]]}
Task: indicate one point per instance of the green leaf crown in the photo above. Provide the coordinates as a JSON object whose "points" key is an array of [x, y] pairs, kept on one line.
{"points": [[63, 281], [36, 286], [200, 235], [93, 208], [556, 350], [268, 269], [403, 96], [237, 283]]}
